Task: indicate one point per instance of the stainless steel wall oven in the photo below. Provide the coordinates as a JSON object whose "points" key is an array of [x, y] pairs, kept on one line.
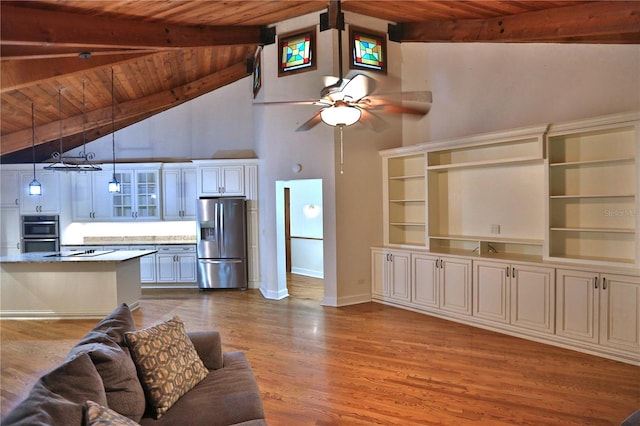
{"points": [[40, 233]]}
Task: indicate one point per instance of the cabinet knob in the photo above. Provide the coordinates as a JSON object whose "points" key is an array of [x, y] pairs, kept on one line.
{"points": [[513, 272], [507, 272], [595, 280], [604, 283]]}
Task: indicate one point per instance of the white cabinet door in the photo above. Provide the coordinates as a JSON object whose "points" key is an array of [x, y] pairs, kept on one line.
{"points": [[90, 198], [577, 313], [620, 312], [148, 268], [166, 271], [425, 280], [10, 188], [491, 291], [186, 267], [9, 231], [533, 297], [179, 193], [455, 285], [139, 196], [49, 201], [379, 282], [400, 275], [221, 180]]}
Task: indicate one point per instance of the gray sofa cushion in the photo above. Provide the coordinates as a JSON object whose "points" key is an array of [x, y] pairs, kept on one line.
{"points": [[59, 396], [105, 344], [226, 396]]}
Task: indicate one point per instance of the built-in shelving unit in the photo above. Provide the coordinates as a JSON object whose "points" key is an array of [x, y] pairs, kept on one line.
{"points": [[406, 195], [593, 187], [482, 196]]}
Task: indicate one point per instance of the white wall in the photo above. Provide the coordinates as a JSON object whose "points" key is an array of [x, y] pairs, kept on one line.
{"points": [[480, 87]]}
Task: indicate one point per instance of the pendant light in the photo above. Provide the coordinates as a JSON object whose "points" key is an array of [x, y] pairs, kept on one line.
{"points": [[34, 187], [114, 185]]}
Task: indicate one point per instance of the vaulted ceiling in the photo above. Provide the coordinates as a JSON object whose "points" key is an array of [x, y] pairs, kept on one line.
{"points": [[164, 53]]}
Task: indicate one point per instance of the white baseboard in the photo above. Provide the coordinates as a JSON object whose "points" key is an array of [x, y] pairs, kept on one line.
{"points": [[274, 295], [307, 272], [346, 300]]}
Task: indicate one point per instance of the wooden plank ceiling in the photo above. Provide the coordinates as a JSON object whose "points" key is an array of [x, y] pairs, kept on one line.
{"points": [[164, 53]]}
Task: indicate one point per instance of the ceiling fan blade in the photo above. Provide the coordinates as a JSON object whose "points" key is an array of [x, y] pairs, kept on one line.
{"points": [[413, 96], [359, 87], [372, 120], [310, 123], [323, 102], [394, 108]]}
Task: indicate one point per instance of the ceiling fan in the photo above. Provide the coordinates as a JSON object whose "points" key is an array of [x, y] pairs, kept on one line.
{"points": [[346, 101]]}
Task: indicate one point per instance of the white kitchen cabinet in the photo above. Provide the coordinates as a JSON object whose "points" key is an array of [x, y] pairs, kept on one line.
{"points": [[46, 203], [10, 188], [518, 294], [442, 283], [139, 196], [599, 308], [147, 264], [176, 264], [90, 197], [391, 274], [9, 231], [218, 180], [179, 191]]}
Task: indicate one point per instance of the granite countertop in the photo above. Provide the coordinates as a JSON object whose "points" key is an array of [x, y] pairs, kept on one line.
{"points": [[76, 256], [144, 239]]}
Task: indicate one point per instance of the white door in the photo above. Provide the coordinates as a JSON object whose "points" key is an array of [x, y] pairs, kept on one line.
{"points": [[400, 276], [620, 312], [577, 295], [10, 189], [165, 267], [9, 231], [379, 267], [233, 180], [186, 267], [425, 280], [533, 297], [455, 285], [491, 291], [171, 194], [189, 193]]}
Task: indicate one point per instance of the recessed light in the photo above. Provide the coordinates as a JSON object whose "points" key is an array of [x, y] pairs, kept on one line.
{"points": [[84, 55]]}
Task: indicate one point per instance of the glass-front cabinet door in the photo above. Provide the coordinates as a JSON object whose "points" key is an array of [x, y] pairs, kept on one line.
{"points": [[139, 195]]}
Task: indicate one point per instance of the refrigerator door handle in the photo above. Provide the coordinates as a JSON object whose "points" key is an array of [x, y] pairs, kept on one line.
{"points": [[220, 261], [221, 229]]}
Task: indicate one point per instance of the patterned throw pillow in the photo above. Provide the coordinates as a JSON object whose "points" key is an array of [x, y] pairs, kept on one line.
{"points": [[98, 415], [167, 361]]}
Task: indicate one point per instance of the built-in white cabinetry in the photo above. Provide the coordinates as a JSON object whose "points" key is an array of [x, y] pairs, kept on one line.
{"points": [[179, 191], [504, 231], [9, 230], [404, 210], [46, 203], [522, 295], [599, 308], [176, 264], [391, 274], [139, 196], [9, 188], [441, 283], [90, 197], [220, 179], [593, 183]]}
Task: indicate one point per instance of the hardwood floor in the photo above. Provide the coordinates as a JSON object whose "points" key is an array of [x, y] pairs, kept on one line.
{"points": [[363, 364]]}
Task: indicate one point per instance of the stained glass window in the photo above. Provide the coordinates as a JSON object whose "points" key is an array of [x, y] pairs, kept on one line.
{"points": [[296, 52], [368, 50]]}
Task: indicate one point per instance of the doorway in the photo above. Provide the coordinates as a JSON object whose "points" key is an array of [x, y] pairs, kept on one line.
{"points": [[300, 253]]}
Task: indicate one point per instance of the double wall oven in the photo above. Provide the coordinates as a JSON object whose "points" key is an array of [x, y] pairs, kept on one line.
{"points": [[40, 233]]}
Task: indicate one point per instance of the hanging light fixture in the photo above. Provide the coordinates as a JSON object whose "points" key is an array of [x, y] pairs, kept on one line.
{"points": [[114, 185], [34, 187], [75, 163], [340, 114]]}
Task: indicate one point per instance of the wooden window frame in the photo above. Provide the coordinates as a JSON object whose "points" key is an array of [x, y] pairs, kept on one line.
{"points": [[282, 38], [353, 31]]}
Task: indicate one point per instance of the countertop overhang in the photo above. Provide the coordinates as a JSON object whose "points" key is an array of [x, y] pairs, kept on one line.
{"points": [[76, 256]]}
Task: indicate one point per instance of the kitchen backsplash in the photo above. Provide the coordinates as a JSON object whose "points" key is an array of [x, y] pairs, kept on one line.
{"points": [[142, 239]]}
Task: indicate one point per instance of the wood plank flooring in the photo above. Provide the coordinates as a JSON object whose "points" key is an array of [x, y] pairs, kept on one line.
{"points": [[363, 364]]}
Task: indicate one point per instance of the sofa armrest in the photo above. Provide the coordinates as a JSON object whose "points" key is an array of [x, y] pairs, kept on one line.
{"points": [[208, 344]]}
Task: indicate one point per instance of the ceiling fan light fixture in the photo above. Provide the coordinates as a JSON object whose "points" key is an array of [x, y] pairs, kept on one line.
{"points": [[340, 115]]}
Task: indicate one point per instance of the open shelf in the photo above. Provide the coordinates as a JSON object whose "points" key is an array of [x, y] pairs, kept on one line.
{"points": [[406, 200], [593, 204], [488, 154]]}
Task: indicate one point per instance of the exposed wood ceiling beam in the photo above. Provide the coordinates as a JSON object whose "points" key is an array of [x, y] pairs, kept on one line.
{"points": [[18, 74], [39, 27], [15, 141], [595, 22]]}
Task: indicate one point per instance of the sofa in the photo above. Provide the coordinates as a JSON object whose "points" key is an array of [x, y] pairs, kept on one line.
{"points": [[161, 375]]}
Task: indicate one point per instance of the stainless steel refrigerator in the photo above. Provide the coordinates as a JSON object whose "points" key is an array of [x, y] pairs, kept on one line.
{"points": [[221, 241]]}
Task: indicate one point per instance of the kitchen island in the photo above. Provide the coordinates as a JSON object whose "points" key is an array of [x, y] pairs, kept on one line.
{"points": [[69, 284]]}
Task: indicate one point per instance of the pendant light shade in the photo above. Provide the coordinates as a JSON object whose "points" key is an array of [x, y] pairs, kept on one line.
{"points": [[337, 115], [34, 187], [114, 185]]}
